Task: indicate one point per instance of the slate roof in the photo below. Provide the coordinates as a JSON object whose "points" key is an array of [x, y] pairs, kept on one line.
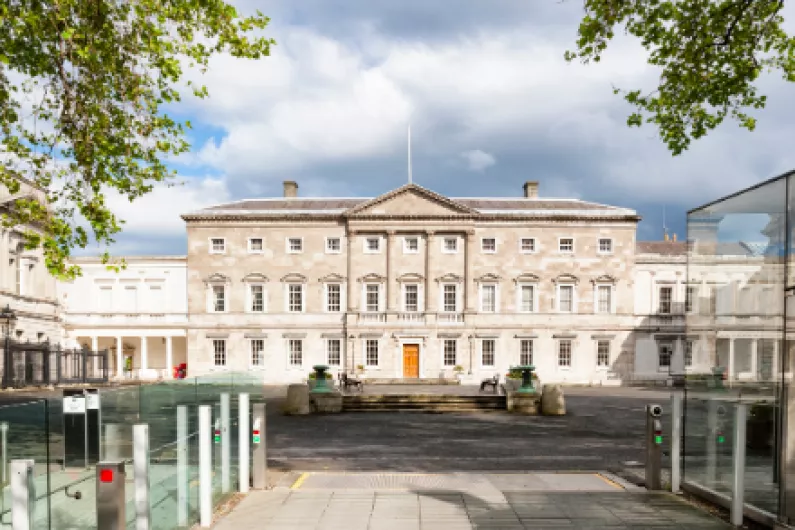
{"points": [[679, 248]]}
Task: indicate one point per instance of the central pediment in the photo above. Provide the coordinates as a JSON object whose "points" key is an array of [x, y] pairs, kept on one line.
{"points": [[411, 200]]}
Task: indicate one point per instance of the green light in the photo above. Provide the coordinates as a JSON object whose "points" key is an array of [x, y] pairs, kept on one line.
{"points": [[658, 439], [256, 439], [721, 439]]}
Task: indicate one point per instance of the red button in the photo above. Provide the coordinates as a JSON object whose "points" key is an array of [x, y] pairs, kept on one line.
{"points": [[106, 475], [256, 433]]}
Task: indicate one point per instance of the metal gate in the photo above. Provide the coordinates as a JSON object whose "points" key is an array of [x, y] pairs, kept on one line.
{"points": [[41, 364]]}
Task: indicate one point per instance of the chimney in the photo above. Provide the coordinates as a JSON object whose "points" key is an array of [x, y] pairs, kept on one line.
{"points": [[674, 236], [666, 236], [531, 189], [290, 188]]}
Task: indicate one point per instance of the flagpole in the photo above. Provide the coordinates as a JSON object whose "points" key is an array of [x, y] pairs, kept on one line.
{"points": [[409, 154]]}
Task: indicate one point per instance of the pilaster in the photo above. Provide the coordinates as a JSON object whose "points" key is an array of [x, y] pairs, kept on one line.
{"points": [[469, 286], [390, 280], [430, 295], [352, 298]]}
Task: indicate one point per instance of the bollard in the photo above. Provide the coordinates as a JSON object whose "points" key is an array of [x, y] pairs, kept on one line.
{"points": [[111, 501], [4, 452], [738, 463], [23, 495], [260, 458], [111, 447], [205, 466], [653, 447], [676, 441], [716, 413], [182, 466], [226, 484], [243, 441], [141, 472]]}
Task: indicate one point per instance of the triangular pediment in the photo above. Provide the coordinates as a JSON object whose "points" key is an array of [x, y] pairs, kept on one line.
{"points": [[411, 200], [216, 278]]}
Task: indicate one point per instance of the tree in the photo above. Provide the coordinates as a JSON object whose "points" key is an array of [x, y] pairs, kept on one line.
{"points": [[710, 54], [84, 90]]}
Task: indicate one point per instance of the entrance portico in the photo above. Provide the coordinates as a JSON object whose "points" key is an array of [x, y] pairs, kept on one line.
{"points": [[147, 356]]}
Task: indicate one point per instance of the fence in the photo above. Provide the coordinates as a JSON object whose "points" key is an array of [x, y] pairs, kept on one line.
{"points": [[66, 498], [42, 364]]}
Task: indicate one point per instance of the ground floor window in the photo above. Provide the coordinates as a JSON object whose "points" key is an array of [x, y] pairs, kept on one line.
{"points": [[296, 352], [526, 352], [688, 353], [257, 352], [664, 353], [603, 353], [219, 352], [334, 348], [564, 353], [371, 352], [487, 349], [449, 352]]}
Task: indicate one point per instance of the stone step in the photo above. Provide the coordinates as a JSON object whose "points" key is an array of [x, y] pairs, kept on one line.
{"points": [[428, 410], [435, 403], [424, 399], [410, 381]]}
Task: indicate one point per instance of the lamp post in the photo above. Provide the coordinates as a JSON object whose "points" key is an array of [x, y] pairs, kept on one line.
{"points": [[7, 319]]}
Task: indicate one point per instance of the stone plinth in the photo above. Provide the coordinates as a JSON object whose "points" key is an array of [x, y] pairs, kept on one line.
{"points": [[522, 403], [552, 401], [326, 402], [297, 403]]}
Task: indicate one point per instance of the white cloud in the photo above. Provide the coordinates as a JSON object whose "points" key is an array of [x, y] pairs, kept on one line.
{"points": [[478, 160]]}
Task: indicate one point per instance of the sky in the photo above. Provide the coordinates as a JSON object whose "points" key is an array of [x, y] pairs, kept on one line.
{"points": [[490, 100]]}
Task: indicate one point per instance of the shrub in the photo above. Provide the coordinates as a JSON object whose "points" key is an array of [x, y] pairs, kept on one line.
{"points": [[458, 369], [313, 375], [515, 373]]}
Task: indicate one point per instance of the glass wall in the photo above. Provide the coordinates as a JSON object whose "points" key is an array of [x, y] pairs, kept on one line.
{"points": [[738, 275]]}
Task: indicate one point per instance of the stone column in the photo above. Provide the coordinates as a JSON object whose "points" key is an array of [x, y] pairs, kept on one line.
{"points": [[119, 356], [353, 300], [169, 359], [144, 354], [94, 343], [4, 256], [469, 287], [430, 300], [390, 280], [754, 359]]}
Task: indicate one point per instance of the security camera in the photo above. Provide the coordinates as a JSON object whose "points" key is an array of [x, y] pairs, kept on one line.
{"points": [[655, 411]]}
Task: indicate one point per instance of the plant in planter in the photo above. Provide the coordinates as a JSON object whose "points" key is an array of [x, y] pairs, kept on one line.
{"points": [[313, 375], [458, 370], [360, 368], [513, 380]]}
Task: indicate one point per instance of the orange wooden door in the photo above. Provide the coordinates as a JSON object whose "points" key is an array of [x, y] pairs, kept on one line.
{"points": [[411, 360]]}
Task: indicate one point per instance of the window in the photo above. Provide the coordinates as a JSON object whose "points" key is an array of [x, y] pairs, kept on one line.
{"points": [[605, 245], [665, 352], [19, 269], [372, 245], [131, 298], [449, 349], [488, 298], [487, 349], [371, 352], [603, 353], [450, 245], [372, 297], [295, 349], [527, 245], [295, 298], [526, 298], [604, 299], [218, 298], [255, 244], [526, 352], [411, 294], [156, 298], [295, 245], [411, 245], [333, 245], [334, 352], [688, 353], [333, 298], [566, 298], [449, 298], [257, 301], [690, 295], [217, 245], [219, 352], [565, 244], [257, 352], [106, 298], [564, 353], [488, 244], [666, 300]]}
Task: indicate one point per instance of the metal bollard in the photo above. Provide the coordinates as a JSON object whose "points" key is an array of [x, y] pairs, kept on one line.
{"points": [[111, 501], [716, 414], [738, 464], [243, 441], [205, 466], [141, 472], [111, 446], [260, 458], [676, 441], [654, 437], [23, 494], [226, 484], [182, 466]]}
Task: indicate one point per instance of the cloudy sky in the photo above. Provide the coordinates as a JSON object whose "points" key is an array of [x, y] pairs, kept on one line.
{"points": [[490, 100]]}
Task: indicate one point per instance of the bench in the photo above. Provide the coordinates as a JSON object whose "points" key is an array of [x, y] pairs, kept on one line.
{"points": [[492, 382], [349, 381]]}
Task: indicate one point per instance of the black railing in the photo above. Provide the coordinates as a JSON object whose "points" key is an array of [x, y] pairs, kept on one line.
{"points": [[41, 364]]}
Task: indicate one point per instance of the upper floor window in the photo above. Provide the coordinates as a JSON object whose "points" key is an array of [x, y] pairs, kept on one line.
{"points": [[411, 245], [688, 353], [527, 245], [156, 301], [218, 302], [217, 245], [449, 298], [106, 298], [295, 245], [605, 245], [487, 352], [566, 244], [255, 245], [411, 297], [256, 298], [333, 245], [526, 352], [666, 300], [372, 245], [564, 353], [604, 298], [257, 352], [219, 352], [295, 352], [131, 298], [566, 298], [449, 245], [333, 298], [372, 297], [334, 352], [690, 296], [488, 298], [295, 298], [603, 353], [527, 302], [665, 351], [488, 245]]}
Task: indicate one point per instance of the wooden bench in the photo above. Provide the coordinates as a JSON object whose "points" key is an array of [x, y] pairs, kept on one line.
{"points": [[492, 382], [349, 381]]}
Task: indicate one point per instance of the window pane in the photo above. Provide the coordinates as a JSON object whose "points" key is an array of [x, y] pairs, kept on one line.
{"points": [[666, 297], [564, 353], [566, 294], [219, 352], [333, 297], [218, 244], [605, 298], [333, 244], [295, 298], [296, 352], [526, 352], [528, 244], [690, 294], [257, 299], [605, 245], [665, 353], [334, 352], [489, 298], [527, 298], [566, 245], [296, 244], [688, 353], [257, 349], [219, 298], [487, 352], [371, 352], [372, 297], [603, 353], [450, 352], [450, 298], [412, 297]]}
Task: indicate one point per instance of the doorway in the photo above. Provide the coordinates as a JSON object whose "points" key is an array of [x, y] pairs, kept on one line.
{"points": [[411, 361]]}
